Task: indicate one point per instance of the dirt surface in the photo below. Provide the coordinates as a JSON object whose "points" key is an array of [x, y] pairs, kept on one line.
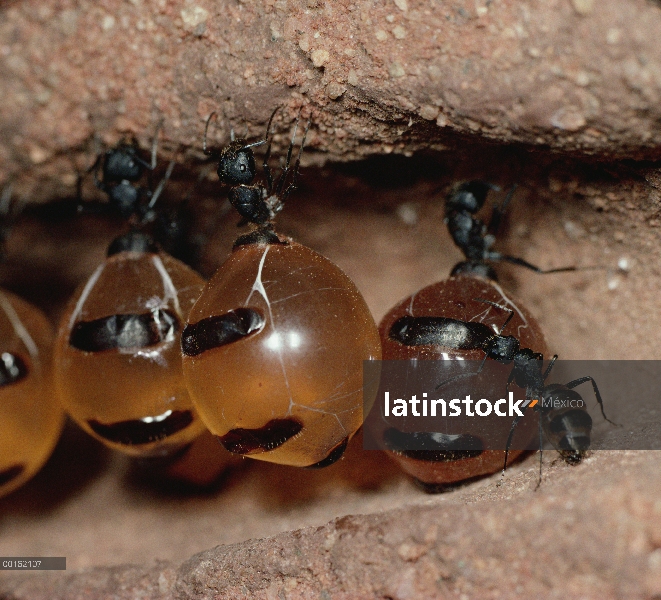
{"points": [[592, 532], [560, 97]]}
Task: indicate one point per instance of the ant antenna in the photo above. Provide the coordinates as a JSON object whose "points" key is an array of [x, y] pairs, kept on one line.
{"points": [[300, 150], [268, 133], [206, 130], [154, 144], [297, 164]]}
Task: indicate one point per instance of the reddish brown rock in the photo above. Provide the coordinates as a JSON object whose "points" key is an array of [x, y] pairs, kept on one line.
{"points": [[505, 542], [575, 76]]}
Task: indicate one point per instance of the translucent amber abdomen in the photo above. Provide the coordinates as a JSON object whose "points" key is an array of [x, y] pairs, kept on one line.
{"points": [[273, 354], [118, 358], [458, 298], [30, 416]]}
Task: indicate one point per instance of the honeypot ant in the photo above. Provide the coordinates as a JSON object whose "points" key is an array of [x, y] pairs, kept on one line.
{"points": [[117, 366], [564, 420], [30, 419], [413, 329], [274, 347]]}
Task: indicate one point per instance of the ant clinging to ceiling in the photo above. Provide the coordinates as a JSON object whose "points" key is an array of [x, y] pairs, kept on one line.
{"points": [[237, 168], [117, 172], [473, 237], [274, 347]]}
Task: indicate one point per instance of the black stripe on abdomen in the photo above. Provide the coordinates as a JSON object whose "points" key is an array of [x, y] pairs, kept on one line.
{"points": [[124, 331], [433, 447], [255, 441], [333, 456], [10, 474], [221, 330], [439, 331], [143, 431]]}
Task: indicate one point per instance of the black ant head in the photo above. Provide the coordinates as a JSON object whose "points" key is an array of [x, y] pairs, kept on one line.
{"points": [[469, 196], [236, 164], [569, 426], [122, 164]]}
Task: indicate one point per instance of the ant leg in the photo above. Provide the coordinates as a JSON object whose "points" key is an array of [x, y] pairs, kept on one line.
{"points": [[161, 185], [154, 145], [283, 176], [497, 256], [510, 379], [268, 125], [267, 155], [494, 304], [266, 140], [95, 169], [548, 369], [541, 454], [267, 170], [499, 211], [292, 186], [97, 162], [508, 445], [572, 384], [205, 149]]}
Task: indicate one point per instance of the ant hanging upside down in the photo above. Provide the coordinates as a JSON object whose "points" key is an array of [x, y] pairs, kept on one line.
{"points": [[256, 203], [117, 172]]}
